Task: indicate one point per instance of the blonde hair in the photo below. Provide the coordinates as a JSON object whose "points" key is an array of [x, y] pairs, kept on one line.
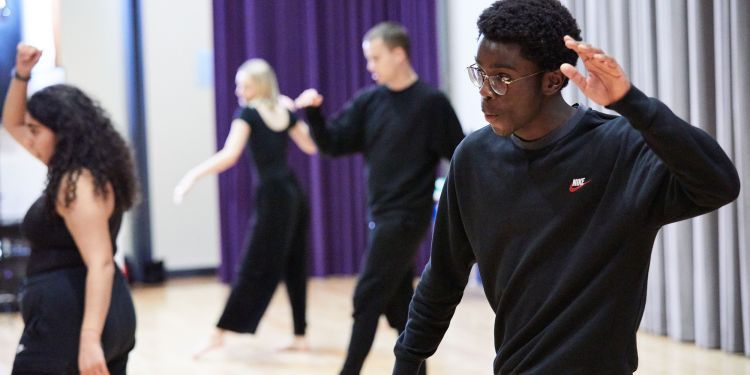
{"points": [[264, 80]]}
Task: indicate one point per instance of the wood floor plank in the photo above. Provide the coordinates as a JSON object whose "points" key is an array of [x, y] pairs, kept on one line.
{"points": [[174, 318]]}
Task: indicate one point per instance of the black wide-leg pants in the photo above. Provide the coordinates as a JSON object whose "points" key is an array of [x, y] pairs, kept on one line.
{"points": [[276, 250]]}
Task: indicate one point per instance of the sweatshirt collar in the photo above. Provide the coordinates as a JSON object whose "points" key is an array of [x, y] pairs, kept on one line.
{"points": [[554, 135]]}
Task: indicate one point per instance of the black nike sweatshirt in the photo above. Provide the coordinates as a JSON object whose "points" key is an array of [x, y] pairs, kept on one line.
{"points": [[563, 235], [402, 136]]}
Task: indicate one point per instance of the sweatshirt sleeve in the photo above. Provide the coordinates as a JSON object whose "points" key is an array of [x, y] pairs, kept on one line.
{"points": [[441, 287], [344, 134], [688, 170], [446, 131]]}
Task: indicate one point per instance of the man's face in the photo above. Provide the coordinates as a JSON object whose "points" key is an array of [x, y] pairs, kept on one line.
{"points": [[522, 101], [382, 62]]}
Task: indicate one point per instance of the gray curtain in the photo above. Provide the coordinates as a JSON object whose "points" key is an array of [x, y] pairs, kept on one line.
{"points": [[694, 55]]}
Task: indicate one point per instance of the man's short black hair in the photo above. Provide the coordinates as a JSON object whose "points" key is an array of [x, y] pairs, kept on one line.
{"points": [[393, 35], [538, 26]]}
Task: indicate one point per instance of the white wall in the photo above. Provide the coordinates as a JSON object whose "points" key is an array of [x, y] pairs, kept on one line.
{"points": [[92, 53], [177, 43], [37, 29], [21, 179], [177, 58], [22, 176], [462, 48]]}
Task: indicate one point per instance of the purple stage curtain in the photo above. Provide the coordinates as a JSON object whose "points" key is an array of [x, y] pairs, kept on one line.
{"points": [[310, 43]]}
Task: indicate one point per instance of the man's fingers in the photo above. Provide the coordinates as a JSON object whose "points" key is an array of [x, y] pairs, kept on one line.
{"points": [[585, 51], [570, 42], [305, 98], [574, 75], [605, 65], [309, 92], [579, 47], [607, 60], [309, 98], [591, 50]]}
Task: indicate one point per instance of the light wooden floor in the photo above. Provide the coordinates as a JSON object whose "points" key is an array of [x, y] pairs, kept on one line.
{"points": [[174, 318]]}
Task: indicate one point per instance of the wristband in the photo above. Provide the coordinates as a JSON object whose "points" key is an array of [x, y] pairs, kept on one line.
{"points": [[20, 77]]}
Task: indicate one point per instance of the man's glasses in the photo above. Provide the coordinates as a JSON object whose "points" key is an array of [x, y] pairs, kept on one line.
{"points": [[499, 84]]}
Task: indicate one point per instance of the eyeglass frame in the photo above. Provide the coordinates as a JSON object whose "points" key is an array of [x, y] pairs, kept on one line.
{"points": [[498, 77]]}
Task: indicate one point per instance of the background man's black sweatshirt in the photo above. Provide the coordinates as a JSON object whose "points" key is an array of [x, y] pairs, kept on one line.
{"points": [[402, 135]]}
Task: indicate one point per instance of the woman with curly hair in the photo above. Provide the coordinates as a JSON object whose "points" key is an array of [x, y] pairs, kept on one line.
{"points": [[75, 303], [276, 248]]}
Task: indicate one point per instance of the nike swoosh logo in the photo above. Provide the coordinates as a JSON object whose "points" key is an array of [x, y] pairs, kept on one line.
{"points": [[573, 189]]}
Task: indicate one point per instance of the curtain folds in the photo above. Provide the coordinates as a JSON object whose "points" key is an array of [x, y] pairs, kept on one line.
{"points": [[310, 43], [694, 56]]}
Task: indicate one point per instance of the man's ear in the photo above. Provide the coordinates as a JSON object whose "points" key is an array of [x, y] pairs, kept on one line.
{"points": [[400, 53], [552, 82]]}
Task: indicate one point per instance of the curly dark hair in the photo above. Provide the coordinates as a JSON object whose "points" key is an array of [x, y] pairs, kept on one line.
{"points": [[85, 139], [538, 26]]}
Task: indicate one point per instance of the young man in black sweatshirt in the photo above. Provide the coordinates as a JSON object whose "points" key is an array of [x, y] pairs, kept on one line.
{"points": [[558, 205], [403, 127]]}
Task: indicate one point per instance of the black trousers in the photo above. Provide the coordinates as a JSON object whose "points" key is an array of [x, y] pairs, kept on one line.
{"points": [[52, 306], [276, 249], [385, 284]]}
